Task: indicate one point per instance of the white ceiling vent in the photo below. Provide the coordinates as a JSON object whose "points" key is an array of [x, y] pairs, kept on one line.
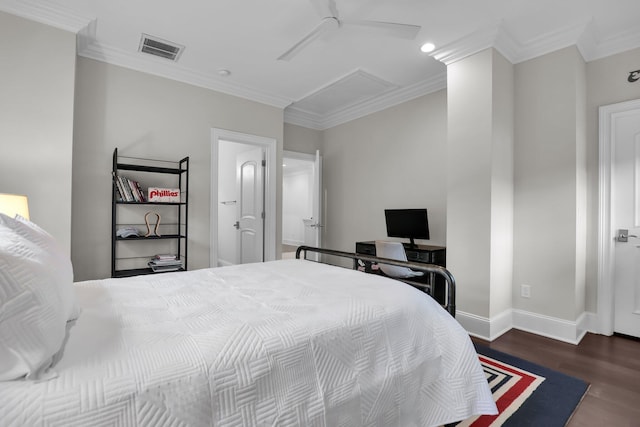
{"points": [[158, 47]]}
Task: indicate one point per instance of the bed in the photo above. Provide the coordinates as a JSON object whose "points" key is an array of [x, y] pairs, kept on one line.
{"points": [[281, 343]]}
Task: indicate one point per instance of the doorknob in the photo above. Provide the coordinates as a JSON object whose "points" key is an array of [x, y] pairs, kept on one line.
{"points": [[623, 235], [237, 225]]}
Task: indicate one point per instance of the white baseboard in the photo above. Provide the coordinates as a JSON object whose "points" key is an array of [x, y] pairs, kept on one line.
{"points": [[594, 324], [476, 326], [292, 242], [223, 263], [484, 328], [551, 327], [501, 324]]}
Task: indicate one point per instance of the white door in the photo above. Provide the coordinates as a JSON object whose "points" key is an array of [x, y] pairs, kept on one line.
{"points": [[316, 224], [250, 206], [625, 209]]}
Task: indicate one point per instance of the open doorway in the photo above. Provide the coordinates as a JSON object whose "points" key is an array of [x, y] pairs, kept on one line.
{"points": [[243, 207], [301, 201]]}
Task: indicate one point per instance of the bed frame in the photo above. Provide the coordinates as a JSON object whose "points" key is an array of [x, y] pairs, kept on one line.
{"points": [[449, 302]]}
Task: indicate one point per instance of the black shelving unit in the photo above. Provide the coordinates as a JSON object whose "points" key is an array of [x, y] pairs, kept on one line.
{"points": [[144, 170]]}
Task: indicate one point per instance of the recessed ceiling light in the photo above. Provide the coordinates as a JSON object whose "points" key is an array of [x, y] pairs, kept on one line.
{"points": [[224, 73], [427, 47]]}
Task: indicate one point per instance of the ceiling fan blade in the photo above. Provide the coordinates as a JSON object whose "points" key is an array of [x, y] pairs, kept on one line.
{"points": [[403, 31], [325, 8], [326, 25]]}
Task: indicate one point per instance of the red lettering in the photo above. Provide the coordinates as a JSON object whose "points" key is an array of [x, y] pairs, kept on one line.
{"points": [[163, 192]]}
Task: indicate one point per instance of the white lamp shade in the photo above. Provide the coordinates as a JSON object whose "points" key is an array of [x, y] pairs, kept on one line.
{"points": [[14, 204]]}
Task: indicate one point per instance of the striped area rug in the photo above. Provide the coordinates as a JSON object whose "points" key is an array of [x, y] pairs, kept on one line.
{"points": [[526, 394]]}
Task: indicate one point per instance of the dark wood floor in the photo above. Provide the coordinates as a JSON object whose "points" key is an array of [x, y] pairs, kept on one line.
{"points": [[611, 365]]}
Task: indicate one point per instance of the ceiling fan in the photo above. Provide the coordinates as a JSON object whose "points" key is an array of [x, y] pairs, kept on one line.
{"points": [[331, 22]]}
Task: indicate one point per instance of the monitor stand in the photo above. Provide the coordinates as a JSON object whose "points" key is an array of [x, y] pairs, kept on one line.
{"points": [[412, 243]]}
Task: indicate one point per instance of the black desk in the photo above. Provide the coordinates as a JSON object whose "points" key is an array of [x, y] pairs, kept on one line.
{"points": [[425, 254]]}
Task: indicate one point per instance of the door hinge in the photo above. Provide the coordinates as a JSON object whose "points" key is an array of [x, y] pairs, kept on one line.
{"points": [[264, 163], [262, 215]]}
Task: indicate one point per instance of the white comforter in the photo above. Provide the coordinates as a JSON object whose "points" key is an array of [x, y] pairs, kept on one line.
{"points": [[284, 343]]}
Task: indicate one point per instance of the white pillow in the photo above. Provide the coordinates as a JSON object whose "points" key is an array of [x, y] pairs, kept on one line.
{"points": [[61, 269], [32, 316]]}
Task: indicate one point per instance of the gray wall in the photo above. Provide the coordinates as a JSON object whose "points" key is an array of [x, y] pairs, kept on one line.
{"points": [[550, 187], [556, 172], [149, 116], [36, 120], [301, 139], [395, 158]]}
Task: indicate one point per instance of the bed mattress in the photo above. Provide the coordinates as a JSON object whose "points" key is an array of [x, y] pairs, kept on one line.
{"points": [[282, 343]]}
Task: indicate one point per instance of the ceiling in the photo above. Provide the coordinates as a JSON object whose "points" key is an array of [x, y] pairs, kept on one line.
{"points": [[345, 73]]}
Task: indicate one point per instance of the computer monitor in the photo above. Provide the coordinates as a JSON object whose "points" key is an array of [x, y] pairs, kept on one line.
{"points": [[407, 223]]}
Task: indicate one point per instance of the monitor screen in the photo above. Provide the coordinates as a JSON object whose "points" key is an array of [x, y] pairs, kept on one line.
{"points": [[407, 223]]}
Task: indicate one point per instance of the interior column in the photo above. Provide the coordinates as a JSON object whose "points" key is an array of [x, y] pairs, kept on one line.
{"points": [[480, 99]]}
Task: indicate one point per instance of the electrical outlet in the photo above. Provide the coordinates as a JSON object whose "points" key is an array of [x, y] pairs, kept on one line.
{"points": [[525, 291]]}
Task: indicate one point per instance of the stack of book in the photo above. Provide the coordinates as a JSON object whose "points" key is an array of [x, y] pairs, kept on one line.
{"points": [[161, 263], [128, 189]]}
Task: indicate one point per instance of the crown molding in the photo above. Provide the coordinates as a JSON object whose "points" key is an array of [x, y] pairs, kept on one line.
{"points": [[583, 35], [299, 117], [506, 44], [587, 42], [468, 45], [44, 13], [171, 70], [497, 36], [295, 116], [85, 28], [620, 43], [555, 40]]}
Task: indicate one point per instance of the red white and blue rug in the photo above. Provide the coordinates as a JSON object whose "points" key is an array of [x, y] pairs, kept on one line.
{"points": [[526, 394]]}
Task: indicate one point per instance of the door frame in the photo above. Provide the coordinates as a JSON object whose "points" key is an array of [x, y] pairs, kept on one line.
{"points": [[270, 147], [606, 233]]}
